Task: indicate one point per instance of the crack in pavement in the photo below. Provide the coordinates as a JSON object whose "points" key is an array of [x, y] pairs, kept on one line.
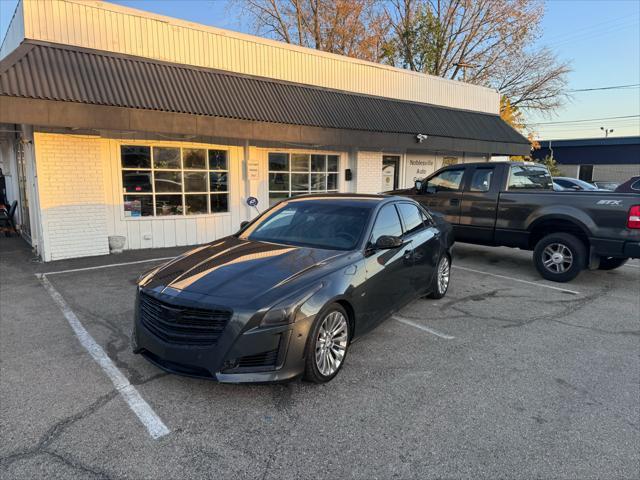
{"points": [[55, 431]]}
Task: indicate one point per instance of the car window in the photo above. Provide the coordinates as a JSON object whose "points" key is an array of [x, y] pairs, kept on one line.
{"points": [[426, 218], [563, 183], [446, 181], [411, 218], [387, 223], [635, 185], [529, 177], [481, 181], [318, 224]]}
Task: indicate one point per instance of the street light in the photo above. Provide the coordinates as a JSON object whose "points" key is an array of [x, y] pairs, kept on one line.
{"points": [[606, 131]]}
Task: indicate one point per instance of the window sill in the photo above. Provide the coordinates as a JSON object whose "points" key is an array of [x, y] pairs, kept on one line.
{"points": [[173, 217]]}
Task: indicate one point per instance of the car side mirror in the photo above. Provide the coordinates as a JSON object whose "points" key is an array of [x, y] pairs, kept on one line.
{"points": [[243, 224], [388, 242], [418, 185]]}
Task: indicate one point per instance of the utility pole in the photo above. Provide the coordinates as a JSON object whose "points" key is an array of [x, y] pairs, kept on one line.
{"points": [[606, 131]]}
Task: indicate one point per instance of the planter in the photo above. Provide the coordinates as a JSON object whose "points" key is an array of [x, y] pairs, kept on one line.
{"points": [[116, 243]]}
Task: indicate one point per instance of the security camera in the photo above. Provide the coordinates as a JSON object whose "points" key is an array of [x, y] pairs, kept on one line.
{"points": [[421, 137]]}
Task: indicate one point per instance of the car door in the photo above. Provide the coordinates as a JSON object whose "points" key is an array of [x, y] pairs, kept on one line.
{"points": [[387, 272], [442, 193], [424, 237], [479, 206]]}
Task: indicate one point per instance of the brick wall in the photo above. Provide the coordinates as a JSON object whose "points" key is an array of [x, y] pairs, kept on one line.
{"points": [[72, 196], [369, 172]]}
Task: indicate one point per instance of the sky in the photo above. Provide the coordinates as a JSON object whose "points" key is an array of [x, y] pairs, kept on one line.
{"points": [[600, 38]]}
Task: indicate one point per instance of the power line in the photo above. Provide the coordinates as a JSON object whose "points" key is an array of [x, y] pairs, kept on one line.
{"points": [[614, 87], [583, 120]]}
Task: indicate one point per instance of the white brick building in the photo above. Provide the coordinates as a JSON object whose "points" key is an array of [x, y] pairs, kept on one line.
{"points": [[161, 136]]}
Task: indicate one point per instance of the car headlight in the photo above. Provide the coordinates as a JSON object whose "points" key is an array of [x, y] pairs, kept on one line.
{"points": [[284, 312]]}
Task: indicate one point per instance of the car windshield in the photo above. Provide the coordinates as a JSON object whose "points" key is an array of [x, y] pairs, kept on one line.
{"points": [[322, 224]]}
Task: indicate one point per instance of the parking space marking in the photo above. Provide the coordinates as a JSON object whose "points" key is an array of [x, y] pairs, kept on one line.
{"points": [[155, 426], [411, 323], [573, 292], [109, 265], [632, 266]]}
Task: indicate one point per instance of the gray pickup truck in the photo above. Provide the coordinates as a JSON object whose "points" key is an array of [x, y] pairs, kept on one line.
{"points": [[513, 204]]}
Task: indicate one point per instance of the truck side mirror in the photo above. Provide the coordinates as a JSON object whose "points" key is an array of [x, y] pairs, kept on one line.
{"points": [[418, 185]]}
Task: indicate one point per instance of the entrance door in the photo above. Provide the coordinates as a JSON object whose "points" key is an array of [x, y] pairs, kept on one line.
{"points": [[390, 172], [25, 222]]}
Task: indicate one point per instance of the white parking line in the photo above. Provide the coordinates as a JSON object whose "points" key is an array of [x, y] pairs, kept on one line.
{"points": [[573, 292], [632, 266], [140, 407], [406, 321], [98, 267]]}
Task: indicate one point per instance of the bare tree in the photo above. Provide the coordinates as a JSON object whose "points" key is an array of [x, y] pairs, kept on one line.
{"points": [[485, 42], [356, 28]]}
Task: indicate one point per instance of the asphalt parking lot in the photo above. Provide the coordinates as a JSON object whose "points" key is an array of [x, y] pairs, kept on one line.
{"points": [[508, 376]]}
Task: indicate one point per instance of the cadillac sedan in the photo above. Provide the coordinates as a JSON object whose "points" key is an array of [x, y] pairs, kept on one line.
{"points": [[286, 295]]}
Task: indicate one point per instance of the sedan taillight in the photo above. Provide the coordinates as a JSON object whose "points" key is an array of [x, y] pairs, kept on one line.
{"points": [[634, 217]]}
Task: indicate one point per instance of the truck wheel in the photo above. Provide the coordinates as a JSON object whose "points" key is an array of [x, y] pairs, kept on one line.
{"points": [[560, 257], [611, 263]]}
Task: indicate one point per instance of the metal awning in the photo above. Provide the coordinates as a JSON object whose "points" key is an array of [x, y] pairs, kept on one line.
{"points": [[69, 74]]}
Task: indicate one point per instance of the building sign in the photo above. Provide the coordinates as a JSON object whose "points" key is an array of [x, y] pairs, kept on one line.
{"points": [[253, 170], [417, 169], [446, 161]]}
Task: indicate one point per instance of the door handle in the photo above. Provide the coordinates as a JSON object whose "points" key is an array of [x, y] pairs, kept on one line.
{"points": [[454, 202], [408, 254]]}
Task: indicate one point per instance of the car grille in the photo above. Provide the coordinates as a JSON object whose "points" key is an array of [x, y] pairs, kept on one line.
{"points": [[264, 359], [182, 325]]}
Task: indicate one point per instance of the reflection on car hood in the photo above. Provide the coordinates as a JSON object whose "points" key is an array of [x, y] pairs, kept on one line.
{"points": [[238, 269]]}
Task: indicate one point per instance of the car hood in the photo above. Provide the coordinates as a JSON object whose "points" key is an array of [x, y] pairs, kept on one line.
{"points": [[235, 269]]}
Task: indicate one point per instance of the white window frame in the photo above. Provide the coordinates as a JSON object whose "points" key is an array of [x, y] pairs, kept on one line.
{"points": [[326, 172], [182, 170]]}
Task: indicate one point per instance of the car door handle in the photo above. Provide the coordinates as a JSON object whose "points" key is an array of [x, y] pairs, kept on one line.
{"points": [[454, 202]]}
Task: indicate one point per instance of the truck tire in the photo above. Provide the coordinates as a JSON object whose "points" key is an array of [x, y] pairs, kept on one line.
{"points": [[560, 257], [611, 263]]}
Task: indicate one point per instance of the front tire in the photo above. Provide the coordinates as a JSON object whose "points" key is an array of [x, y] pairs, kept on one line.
{"points": [[327, 344], [611, 263], [560, 257], [443, 276]]}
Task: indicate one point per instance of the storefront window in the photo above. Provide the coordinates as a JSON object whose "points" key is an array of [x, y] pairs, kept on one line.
{"points": [[165, 181], [293, 174]]}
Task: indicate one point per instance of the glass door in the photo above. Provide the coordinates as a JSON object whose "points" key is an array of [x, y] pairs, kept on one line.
{"points": [[390, 172]]}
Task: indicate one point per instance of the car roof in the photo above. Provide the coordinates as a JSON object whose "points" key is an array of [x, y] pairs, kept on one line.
{"points": [[349, 198]]}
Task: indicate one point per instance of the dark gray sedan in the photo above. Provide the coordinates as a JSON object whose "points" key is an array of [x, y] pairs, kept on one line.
{"points": [[286, 295]]}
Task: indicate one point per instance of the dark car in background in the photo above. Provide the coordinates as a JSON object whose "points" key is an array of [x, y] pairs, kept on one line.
{"points": [[287, 294], [630, 186], [513, 204]]}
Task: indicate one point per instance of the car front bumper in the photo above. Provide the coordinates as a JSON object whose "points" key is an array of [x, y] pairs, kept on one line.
{"points": [[236, 357]]}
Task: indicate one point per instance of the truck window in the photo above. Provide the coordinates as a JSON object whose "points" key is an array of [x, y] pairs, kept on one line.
{"points": [[529, 177], [446, 181], [481, 180]]}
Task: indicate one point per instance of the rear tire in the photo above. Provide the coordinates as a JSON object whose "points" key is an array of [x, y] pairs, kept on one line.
{"points": [[327, 344], [611, 263], [560, 257], [443, 277]]}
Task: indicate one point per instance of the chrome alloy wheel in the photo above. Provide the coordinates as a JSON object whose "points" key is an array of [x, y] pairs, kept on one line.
{"points": [[331, 343], [557, 258], [444, 271]]}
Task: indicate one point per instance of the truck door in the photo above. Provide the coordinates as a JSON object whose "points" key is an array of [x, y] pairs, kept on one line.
{"points": [[442, 193], [479, 205]]}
